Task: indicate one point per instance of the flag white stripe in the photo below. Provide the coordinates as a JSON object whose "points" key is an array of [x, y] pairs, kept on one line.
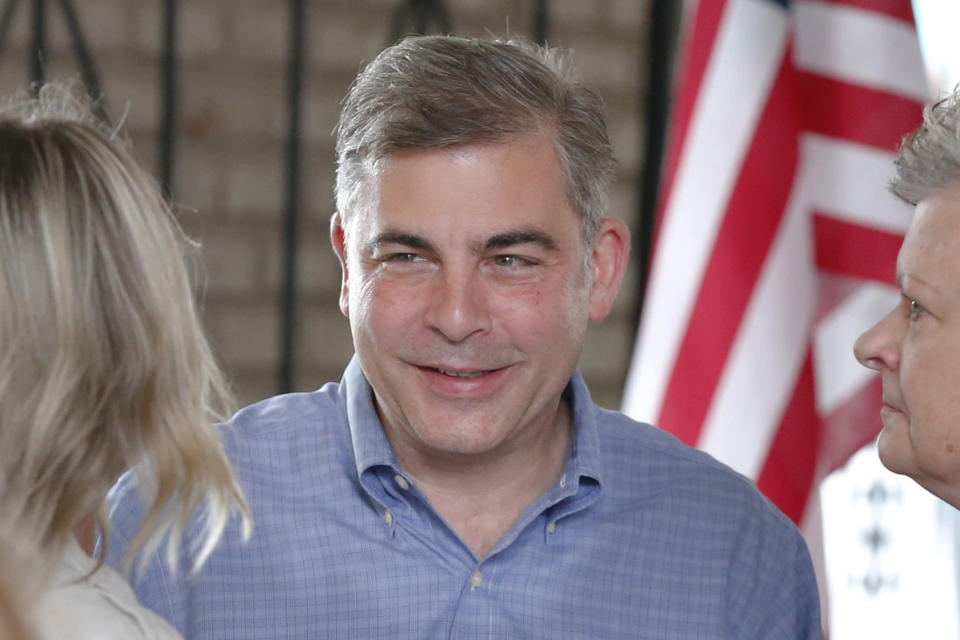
{"points": [[838, 376], [750, 46], [848, 181], [766, 357], [860, 47]]}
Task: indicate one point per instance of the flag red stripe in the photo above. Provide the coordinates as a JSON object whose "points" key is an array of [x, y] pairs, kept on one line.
{"points": [[846, 253], [788, 474], [851, 425], [854, 250], [899, 9], [855, 113], [698, 53], [745, 235]]}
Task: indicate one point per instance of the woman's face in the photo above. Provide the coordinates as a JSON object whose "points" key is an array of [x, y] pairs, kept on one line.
{"points": [[916, 350]]}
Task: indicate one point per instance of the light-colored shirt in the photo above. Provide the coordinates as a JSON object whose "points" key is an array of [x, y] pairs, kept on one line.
{"points": [[101, 606], [640, 537]]}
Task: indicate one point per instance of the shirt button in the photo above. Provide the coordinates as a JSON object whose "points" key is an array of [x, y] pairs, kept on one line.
{"points": [[552, 527], [476, 579], [401, 482], [563, 481], [388, 517]]}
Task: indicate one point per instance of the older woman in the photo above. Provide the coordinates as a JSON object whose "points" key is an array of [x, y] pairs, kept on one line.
{"points": [[103, 367], [916, 347]]}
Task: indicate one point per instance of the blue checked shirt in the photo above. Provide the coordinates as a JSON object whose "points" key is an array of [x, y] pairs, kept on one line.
{"points": [[641, 537]]}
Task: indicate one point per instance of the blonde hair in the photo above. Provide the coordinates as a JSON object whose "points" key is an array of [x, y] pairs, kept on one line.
{"points": [[15, 619], [103, 363]]}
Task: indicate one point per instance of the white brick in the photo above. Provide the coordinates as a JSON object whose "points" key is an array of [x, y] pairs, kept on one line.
{"points": [[132, 88], [318, 176], [15, 71], [198, 176], [623, 199], [253, 181], [146, 29], [259, 31], [238, 103], [251, 384], [246, 334], [200, 28], [347, 39], [625, 136], [21, 29], [104, 24], [575, 12], [232, 255], [324, 336], [607, 62], [630, 14], [320, 108], [318, 271], [607, 351]]}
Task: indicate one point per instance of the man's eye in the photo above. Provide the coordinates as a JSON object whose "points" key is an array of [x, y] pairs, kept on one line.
{"points": [[402, 257], [511, 261]]}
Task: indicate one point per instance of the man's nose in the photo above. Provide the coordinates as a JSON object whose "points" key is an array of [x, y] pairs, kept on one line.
{"points": [[458, 305], [879, 347]]}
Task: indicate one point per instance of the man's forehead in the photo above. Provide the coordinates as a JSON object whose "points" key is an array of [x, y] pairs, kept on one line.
{"points": [[423, 236]]}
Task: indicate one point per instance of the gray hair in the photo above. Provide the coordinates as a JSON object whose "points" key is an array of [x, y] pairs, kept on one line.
{"points": [[432, 92], [929, 158]]}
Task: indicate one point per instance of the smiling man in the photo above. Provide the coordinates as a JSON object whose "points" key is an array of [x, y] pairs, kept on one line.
{"points": [[458, 482]]}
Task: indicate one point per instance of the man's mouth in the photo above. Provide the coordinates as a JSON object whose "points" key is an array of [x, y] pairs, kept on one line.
{"points": [[462, 374]]}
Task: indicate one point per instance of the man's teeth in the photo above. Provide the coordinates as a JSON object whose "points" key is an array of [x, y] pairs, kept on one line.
{"points": [[455, 374]]}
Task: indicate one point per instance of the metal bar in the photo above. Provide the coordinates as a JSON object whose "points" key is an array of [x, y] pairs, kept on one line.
{"points": [[288, 324], [168, 97], [421, 17], [541, 21], [663, 26], [38, 46], [87, 69], [6, 19], [421, 11], [441, 16]]}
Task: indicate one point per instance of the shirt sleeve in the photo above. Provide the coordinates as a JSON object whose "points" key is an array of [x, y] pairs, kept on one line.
{"points": [[155, 585], [772, 590]]}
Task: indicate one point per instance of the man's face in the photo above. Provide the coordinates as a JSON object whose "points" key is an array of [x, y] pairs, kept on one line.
{"points": [[916, 349], [469, 291]]}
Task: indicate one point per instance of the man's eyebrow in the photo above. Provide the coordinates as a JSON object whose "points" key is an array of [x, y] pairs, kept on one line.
{"points": [[391, 236], [520, 236]]}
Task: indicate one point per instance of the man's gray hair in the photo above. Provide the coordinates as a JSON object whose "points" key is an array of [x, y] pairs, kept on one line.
{"points": [[431, 92], [929, 158]]}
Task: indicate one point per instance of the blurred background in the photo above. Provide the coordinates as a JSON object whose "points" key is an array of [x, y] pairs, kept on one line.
{"points": [[232, 104], [205, 92]]}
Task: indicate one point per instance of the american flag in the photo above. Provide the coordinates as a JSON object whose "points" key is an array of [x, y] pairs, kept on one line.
{"points": [[776, 240]]}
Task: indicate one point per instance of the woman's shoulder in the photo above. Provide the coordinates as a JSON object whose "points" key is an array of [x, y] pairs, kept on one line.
{"points": [[99, 606]]}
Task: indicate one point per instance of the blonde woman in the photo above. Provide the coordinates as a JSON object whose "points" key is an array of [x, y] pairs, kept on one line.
{"points": [[103, 367]]}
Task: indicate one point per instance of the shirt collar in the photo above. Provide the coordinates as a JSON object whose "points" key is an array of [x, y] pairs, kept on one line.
{"points": [[372, 448]]}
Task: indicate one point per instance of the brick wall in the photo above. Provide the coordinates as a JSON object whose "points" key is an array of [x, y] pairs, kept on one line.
{"points": [[229, 164]]}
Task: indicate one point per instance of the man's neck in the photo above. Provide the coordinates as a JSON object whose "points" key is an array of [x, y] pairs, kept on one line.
{"points": [[481, 497]]}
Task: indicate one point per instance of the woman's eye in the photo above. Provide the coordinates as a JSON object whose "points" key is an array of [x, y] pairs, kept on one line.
{"points": [[916, 310]]}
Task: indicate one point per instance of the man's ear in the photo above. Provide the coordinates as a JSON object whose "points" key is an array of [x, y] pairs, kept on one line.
{"points": [[338, 238], [611, 248]]}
